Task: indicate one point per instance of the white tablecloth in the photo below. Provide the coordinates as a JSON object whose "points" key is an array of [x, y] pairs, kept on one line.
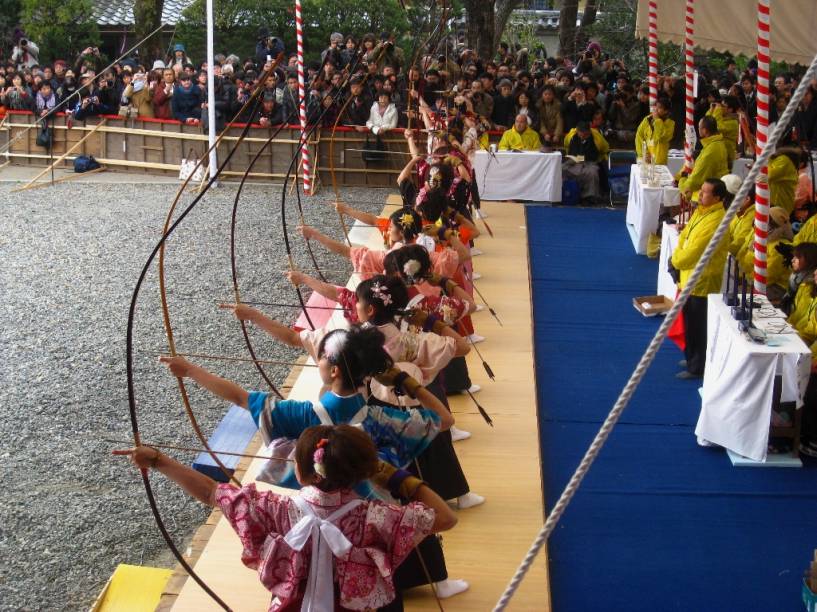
{"points": [[741, 166], [739, 378], [526, 175], [644, 204], [669, 240]]}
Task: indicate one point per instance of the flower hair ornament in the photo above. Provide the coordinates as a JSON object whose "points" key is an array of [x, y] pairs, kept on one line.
{"points": [[334, 344], [410, 269], [381, 293], [406, 221], [317, 457]]}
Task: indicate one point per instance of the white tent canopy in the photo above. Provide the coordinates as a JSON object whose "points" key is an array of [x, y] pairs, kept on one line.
{"points": [[731, 26]]}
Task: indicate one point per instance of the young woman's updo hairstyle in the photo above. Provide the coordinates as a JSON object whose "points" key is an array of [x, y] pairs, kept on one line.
{"points": [[348, 456], [357, 351], [409, 223], [386, 294], [411, 263], [433, 207]]}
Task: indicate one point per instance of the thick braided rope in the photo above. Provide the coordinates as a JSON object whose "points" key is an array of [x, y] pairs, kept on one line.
{"points": [[652, 55], [299, 35], [689, 80], [652, 349], [762, 189]]}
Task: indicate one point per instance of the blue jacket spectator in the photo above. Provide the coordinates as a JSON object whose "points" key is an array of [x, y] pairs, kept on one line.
{"points": [[187, 99]]}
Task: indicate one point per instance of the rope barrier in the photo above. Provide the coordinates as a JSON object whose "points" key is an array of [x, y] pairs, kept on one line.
{"points": [[648, 356]]}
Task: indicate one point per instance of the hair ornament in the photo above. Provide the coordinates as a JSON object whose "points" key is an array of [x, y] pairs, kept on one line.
{"points": [[317, 457], [407, 220], [335, 343], [411, 268], [381, 293]]}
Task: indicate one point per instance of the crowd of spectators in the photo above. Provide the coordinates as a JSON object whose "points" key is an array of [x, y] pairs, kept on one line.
{"points": [[554, 94]]}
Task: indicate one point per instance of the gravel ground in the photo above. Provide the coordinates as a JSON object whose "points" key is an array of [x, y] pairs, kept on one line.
{"points": [[71, 255]]}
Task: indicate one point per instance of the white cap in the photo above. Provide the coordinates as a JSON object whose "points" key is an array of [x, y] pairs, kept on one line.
{"points": [[158, 65], [732, 182]]}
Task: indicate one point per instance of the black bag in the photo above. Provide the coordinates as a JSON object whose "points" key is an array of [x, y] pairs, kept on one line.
{"points": [[85, 163], [674, 273], [44, 136], [374, 151]]}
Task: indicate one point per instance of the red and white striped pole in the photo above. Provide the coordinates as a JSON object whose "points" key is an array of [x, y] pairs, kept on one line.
{"points": [[689, 79], [652, 54], [762, 186], [299, 35]]}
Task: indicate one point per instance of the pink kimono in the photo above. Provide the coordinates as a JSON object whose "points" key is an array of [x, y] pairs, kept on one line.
{"points": [[378, 536]]}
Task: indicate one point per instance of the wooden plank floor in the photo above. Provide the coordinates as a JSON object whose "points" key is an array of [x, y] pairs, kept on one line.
{"points": [[501, 463]]}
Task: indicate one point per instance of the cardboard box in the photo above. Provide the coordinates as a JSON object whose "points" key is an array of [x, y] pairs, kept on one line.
{"points": [[651, 305]]}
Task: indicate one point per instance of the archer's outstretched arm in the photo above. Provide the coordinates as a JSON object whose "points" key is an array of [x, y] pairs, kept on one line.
{"points": [[360, 215], [225, 389], [333, 245], [318, 286], [277, 330]]}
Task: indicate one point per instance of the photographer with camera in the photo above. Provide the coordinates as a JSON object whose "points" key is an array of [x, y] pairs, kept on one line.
{"points": [[267, 47], [625, 114], [90, 103], [25, 54]]}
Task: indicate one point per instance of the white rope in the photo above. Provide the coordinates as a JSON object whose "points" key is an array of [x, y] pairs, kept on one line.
{"points": [[652, 349]]}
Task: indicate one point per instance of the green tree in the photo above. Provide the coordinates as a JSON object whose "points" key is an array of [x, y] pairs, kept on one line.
{"points": [[9, 18], [147, 16], [237, 23], [61, 28]]}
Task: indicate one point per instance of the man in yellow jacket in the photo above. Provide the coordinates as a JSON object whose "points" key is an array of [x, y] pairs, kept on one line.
{"points": [[726, 116], [711, 160], [655, 131], [783, 178], [692, 242], [520, 137]]}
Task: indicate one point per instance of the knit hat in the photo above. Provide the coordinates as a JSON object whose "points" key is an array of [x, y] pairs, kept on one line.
{"points": [[505, 83], [779, 216], [158, 65], [178, 47], [732, 182]]}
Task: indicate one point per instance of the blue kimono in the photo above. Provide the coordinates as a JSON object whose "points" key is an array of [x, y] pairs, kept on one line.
{"points": [[399, 435]]}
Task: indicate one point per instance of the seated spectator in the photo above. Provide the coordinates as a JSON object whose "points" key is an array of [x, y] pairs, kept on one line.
{"points": [[17, 95], [577, 108], [89, 104], [586, 148], [655, 133], [624, 114], [68, 87], [269, 113], [139, 94], [783, 177], [163, 94], [551, 125], [45, 100], [524, 107], [383, 115], [504, 105], [187, 100], [520, 137]]}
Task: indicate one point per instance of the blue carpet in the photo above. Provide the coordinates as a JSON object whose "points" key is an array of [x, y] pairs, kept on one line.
{"points": [[659, 522]]}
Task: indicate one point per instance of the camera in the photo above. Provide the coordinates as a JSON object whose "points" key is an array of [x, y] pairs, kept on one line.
{"points": [[23, 42]]}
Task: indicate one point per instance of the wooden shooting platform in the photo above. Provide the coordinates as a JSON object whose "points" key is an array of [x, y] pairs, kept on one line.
{"points": [[502, 463]]}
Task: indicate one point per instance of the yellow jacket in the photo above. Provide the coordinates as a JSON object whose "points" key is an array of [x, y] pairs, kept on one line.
{"points": [[739, 228], [777, 272], [691, 244], [711, 163], [526, 141], [783, 179], [807, 233], [601, 142], [657, 136], [728, 126], [802, 317]]}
